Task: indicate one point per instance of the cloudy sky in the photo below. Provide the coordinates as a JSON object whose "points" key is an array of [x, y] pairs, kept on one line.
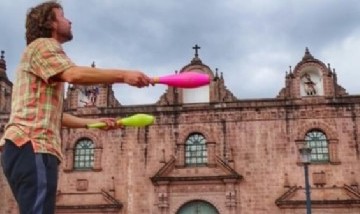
{"points": [[252, 42]]}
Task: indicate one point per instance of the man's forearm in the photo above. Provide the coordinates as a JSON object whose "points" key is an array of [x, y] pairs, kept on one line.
{"points": [[72, 121], [88, 75]]}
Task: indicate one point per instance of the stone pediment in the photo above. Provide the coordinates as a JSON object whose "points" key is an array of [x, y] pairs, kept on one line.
{"points": [[86, 202], [220, 171], [345, 196]]}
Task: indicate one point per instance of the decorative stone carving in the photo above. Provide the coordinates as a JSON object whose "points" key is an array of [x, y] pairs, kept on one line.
{"points": [[319, 179], [82, 184]]}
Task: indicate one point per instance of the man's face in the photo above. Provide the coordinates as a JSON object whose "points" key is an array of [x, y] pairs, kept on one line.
{"points": [[61, 27]]}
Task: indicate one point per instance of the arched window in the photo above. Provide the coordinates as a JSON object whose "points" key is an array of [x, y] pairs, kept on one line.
{"points": [[318, 143], [195, 150], [84, 154], [200, 207]]}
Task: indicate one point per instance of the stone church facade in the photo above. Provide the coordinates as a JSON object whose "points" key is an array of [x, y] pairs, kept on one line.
{"points": [[209, 152]]}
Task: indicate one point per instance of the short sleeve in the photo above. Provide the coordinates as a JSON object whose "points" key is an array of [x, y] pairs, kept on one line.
{"points": [[49, 59]]}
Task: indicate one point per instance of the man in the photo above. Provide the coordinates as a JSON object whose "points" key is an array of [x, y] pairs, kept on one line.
{"points": [[31, 147]]}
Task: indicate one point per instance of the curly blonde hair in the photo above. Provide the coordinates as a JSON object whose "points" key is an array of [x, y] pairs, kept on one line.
{"points": [[39, 19]]}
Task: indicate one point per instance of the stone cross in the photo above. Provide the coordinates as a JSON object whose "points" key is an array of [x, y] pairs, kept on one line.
{"points": [[196, 48]]}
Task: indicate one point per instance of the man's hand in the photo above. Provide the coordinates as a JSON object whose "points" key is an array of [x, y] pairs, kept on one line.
{"points": [[137, 78], [110, 123]]}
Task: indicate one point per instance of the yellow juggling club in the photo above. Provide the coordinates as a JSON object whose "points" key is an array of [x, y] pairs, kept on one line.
{"points": [[136, 120]]}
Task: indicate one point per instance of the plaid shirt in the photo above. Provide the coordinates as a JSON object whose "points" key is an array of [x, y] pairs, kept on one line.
{"points": [[37, 103]]}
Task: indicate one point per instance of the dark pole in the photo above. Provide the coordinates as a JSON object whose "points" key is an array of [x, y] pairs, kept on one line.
{"points": [[307, 189]]}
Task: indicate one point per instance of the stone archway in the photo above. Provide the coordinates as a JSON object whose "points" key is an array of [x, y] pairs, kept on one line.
{"points": [[198, 207]]}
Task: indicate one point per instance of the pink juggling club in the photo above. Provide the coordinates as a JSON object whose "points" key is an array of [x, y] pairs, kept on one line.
{"points": [[183, 80]]}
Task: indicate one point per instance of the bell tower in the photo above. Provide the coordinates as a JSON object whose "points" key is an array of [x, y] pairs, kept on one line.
{"points": [[90, 96], [5, 86], [215, 92], [311, 78]]}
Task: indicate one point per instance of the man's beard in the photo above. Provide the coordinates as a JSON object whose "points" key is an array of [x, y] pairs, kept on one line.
{"points": [[66, 37], [69, 37]]}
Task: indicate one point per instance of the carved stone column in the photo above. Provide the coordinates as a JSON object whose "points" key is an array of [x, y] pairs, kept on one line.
{"points": [[163, 197], [97, 159], [230, 195], [69, 160], [333, 152], [180, 155], [211, 153], [299, 144]]}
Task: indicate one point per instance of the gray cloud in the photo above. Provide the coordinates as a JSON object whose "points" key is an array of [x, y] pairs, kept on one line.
{"points": [[252, 42]]}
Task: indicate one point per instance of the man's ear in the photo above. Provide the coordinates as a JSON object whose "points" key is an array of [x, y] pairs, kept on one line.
{"points": [[49, 25], [52, 25]]}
